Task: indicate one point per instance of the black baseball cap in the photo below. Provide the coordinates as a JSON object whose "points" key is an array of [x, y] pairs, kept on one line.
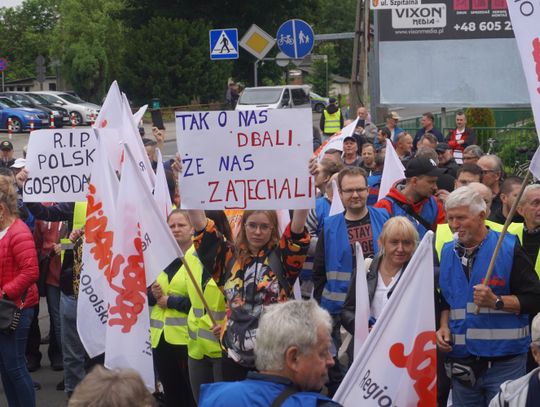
{"points": [[6, 145], [442, 147], [418, 166], [349, 138]]}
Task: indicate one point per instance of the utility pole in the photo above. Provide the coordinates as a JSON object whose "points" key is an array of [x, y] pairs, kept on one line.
{"points": [[359, 74]]}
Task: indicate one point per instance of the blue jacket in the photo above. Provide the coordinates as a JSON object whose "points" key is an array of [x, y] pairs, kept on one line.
{"points": [[429, 212], [258, 390], [491, 333], [338, 256]]}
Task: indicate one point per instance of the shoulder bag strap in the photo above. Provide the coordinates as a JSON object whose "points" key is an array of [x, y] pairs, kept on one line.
{"points": [[284, 395], [274, 259]]}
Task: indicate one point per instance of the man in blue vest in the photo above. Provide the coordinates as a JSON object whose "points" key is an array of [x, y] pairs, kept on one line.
{"points": [[335, 258], [292, 356], [413, 196], [486, 346]]}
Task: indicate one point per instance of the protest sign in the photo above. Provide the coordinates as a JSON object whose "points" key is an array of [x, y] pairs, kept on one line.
{"points": [[59, 164], [253, 159]]}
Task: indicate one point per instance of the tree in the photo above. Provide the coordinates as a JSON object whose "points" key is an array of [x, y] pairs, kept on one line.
{"points": [[25, 33], [168, 58], [89, 42]]}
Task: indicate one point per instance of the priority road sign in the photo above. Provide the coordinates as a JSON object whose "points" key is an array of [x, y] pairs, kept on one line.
{"points": [[295, 38], [224, 44], [3, 64]]}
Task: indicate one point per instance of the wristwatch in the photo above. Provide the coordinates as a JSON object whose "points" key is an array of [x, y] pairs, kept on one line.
{"points": [[499, 304]]}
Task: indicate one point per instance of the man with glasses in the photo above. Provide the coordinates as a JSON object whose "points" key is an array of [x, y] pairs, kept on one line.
{"points": [[335, 257], [472, 154], [492, 177], [413, 196]]}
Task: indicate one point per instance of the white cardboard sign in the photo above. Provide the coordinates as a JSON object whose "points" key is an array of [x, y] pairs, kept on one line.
{"points": [[59, 163], [253, 159]]}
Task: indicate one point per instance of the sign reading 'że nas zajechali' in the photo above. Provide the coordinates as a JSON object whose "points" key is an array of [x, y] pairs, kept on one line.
{"points": [[253, 159]]}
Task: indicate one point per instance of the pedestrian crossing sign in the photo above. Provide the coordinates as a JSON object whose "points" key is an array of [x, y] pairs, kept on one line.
{"points": [[224, 44]]}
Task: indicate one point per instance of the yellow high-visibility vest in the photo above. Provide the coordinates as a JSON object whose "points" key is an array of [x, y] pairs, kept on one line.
{"points": [[332, 122], [202, 341], [79, 220], [170, 322]]}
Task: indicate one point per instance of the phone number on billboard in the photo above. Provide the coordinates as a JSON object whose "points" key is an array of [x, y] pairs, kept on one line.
{"points": [[484, 26]]}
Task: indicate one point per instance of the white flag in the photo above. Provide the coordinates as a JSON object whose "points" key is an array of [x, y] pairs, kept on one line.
{"points": [[397, 365], [161, 190], [362, 309], [393, 170], [160, 248], [128, 327], [131, 137], [525, 20], [336, 206], [138, 115], [92, 303], [336, 141]]}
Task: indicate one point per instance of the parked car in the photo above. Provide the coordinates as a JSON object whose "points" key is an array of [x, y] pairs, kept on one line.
{"points": [[318, 103], [20, 116], [274, 97], [61, 115], [84, 112]]}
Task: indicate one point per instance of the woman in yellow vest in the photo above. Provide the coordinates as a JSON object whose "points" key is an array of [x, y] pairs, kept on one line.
{"points": [[168, 318], [204, 349]]}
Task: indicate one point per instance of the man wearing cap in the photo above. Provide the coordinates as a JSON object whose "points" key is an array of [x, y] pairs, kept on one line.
{"points": [[427, 121], [18, 165], [525, 391], [446, 159], [413, 197], [488, 345], [392, 120], [350, 152], [6, 154], [331, 119]]}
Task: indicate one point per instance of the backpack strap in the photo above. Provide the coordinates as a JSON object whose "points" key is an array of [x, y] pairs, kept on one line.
{"points": [[284, 395], [274, 260], [410, 211]]}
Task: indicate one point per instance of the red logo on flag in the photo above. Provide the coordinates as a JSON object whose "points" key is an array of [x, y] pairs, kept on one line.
{"points": [[421, 365], [536, 57]]}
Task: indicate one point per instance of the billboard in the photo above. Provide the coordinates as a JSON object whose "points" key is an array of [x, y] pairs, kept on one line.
{"points": [[449, 53]]}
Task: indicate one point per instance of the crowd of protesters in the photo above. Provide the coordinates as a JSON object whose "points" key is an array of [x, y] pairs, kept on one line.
{"points": [[246, 329]]}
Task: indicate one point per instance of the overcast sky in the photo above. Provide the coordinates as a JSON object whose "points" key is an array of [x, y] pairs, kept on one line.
{"points": [[10, 3]]}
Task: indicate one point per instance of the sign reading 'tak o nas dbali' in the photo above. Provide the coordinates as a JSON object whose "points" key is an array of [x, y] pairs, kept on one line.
{"points": [[254, 159]]}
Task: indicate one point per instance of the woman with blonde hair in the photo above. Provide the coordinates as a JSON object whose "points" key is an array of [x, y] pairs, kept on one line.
{"points": [[397, 243], [258, 270], [18, 275]]}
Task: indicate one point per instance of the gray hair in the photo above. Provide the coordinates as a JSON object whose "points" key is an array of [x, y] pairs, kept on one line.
{"points": [[291, 323], [465, 196], [428, 152], [474, 150], [528, 188]]}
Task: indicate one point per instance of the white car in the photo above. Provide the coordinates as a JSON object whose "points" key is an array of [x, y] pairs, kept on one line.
{"points": [[274, 97], [84, 112]]}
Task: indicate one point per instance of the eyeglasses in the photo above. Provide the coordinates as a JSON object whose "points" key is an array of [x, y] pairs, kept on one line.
{"points": [[470, 157], [351, 191], [263, 227], [484, 172]]}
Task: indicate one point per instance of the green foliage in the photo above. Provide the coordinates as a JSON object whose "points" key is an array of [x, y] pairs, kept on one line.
{"points": [[480, 117], [89, 42], [319, 69], [168, 58], [512, 140], [25, 33]]}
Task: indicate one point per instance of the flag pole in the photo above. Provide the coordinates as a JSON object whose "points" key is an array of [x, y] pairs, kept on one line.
{"points": [[503, 232]]}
